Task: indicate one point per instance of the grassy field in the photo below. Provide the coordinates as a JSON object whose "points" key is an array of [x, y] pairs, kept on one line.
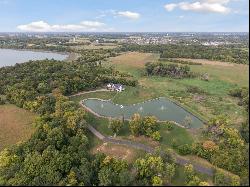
{"points": [[15, 125], [215, 99]]}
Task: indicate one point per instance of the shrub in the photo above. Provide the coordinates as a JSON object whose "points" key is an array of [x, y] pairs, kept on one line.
{"points": [[195, 89], [185, 149], [156, 136], [169, 126], [235, 92]]}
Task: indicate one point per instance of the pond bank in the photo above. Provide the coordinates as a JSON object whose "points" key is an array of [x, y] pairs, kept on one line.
{"points": [[162, 108]]}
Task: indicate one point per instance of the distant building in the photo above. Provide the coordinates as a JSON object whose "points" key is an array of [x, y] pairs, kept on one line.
{"points": [[115, 87]]}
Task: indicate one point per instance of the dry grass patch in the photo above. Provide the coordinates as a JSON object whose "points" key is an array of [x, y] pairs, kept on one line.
{"points": [[207, 62], [15, 125], [117, 151], [134, 59]]}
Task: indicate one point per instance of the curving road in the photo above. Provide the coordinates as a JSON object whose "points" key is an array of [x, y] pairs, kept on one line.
{"points": [[179, 160]]}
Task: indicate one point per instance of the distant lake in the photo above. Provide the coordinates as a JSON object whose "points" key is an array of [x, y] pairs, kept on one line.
{"points": [[9, 57]]}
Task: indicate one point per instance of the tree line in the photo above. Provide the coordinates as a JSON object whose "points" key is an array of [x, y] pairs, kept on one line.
{"points": [[168, 70], [232, 54]]}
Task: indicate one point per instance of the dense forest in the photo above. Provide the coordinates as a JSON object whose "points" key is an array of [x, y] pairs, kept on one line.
{"points": [[35, 78], [221, 53]]}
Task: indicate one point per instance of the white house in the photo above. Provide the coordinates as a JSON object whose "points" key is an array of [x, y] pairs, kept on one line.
{"points": [[115, 87]]}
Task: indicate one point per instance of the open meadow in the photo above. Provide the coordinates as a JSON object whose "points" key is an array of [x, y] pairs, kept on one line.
{"points": [[211, 99], [15, 124]]}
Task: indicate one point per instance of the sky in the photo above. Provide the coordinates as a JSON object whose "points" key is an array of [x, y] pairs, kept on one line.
{"points": [[124, 15]]}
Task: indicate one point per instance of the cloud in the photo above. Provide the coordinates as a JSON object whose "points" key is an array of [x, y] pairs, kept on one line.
{"points": [[92, 24], [128, 14], [42, 26], [170, 7], [212, 6]]}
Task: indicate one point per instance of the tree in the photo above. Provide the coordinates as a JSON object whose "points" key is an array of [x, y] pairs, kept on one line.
{"points": [[189, 171], [115, 126], [156, 136], [105, 177], [72, 181], [170, 171], [148, 167], [135, 125], [150, 125], [111, 171], [203, 183], [187, 121], [156, 181]]}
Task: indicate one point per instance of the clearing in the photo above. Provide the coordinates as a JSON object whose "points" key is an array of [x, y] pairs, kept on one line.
{"points": [[15, 125], [118, 151]]}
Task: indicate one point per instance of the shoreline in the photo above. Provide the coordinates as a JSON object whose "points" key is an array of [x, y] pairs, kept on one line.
{"points": [[38, 50], [184, 107]]}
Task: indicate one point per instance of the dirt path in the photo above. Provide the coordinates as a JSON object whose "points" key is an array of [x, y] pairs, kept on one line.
{"points": [[179, 160]]}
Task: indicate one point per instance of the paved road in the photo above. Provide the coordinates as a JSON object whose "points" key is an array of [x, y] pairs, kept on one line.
{"points": [[179, 160]]}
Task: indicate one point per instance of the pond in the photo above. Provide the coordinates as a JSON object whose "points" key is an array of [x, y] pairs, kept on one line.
{"points": [[9, 57], [162, 108]]}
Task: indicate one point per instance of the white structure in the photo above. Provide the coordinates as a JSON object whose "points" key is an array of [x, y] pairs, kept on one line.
{"points": [[115, 87]]}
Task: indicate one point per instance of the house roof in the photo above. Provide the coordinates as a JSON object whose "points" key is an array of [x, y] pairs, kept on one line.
{"points": [[118, 85]]}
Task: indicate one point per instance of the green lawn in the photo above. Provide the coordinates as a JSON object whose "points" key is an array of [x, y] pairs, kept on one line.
{"points": [[178, 135]]}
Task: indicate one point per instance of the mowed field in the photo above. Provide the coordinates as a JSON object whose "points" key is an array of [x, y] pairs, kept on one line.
{"points": [[15, 125], [215, 99]]}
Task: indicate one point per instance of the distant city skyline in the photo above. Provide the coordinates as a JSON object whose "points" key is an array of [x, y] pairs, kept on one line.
{"points": [[124, 16]]}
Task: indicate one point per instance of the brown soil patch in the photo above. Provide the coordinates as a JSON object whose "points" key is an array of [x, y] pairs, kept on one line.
{"points": [[15, 125]]}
